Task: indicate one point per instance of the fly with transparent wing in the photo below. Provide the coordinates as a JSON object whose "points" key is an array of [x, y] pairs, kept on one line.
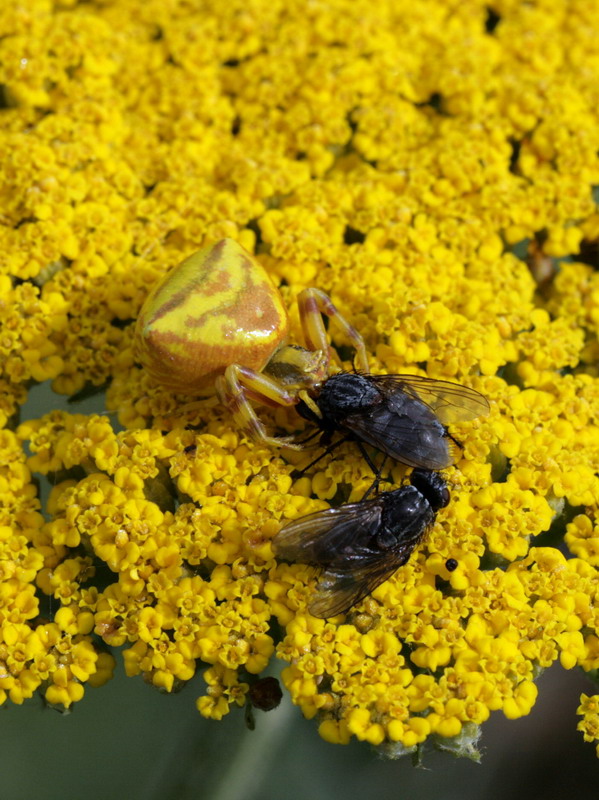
{"points": [[404, 416], [360, 545]]}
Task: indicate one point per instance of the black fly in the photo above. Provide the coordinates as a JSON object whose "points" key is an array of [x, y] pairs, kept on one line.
{"points": [[360, 545], [404, 416]]}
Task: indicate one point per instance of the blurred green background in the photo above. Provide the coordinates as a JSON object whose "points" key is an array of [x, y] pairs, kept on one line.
{"points": [[125, 740]]}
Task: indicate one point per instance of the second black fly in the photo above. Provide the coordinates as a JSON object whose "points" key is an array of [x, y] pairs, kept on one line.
{"points": [[360, 545]]}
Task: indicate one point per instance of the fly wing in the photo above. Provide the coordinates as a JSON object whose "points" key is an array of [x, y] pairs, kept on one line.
{"points": [[321, 537], [451, 402], [417, 438], [343, 584]]}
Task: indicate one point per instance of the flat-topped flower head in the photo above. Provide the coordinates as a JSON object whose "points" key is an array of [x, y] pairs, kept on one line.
{"points": [[190, 195]]}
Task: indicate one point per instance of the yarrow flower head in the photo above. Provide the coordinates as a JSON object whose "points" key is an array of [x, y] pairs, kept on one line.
{"points": [[432, 170]]}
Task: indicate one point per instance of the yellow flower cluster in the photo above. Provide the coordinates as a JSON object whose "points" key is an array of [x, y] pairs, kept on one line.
{"points": [[55, 657], [589, 725], [428, 164]]}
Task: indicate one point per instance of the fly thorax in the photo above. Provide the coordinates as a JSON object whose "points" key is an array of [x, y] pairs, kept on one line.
{"points": [[347, 393], [432, 486], [402, 506], [407, 513]]}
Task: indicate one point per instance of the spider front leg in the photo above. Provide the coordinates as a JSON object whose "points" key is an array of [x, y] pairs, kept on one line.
{"points": [[312, 304], [238, 386]]}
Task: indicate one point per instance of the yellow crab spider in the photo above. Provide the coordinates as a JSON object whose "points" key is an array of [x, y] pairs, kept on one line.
{"points": [[217, 320]]}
